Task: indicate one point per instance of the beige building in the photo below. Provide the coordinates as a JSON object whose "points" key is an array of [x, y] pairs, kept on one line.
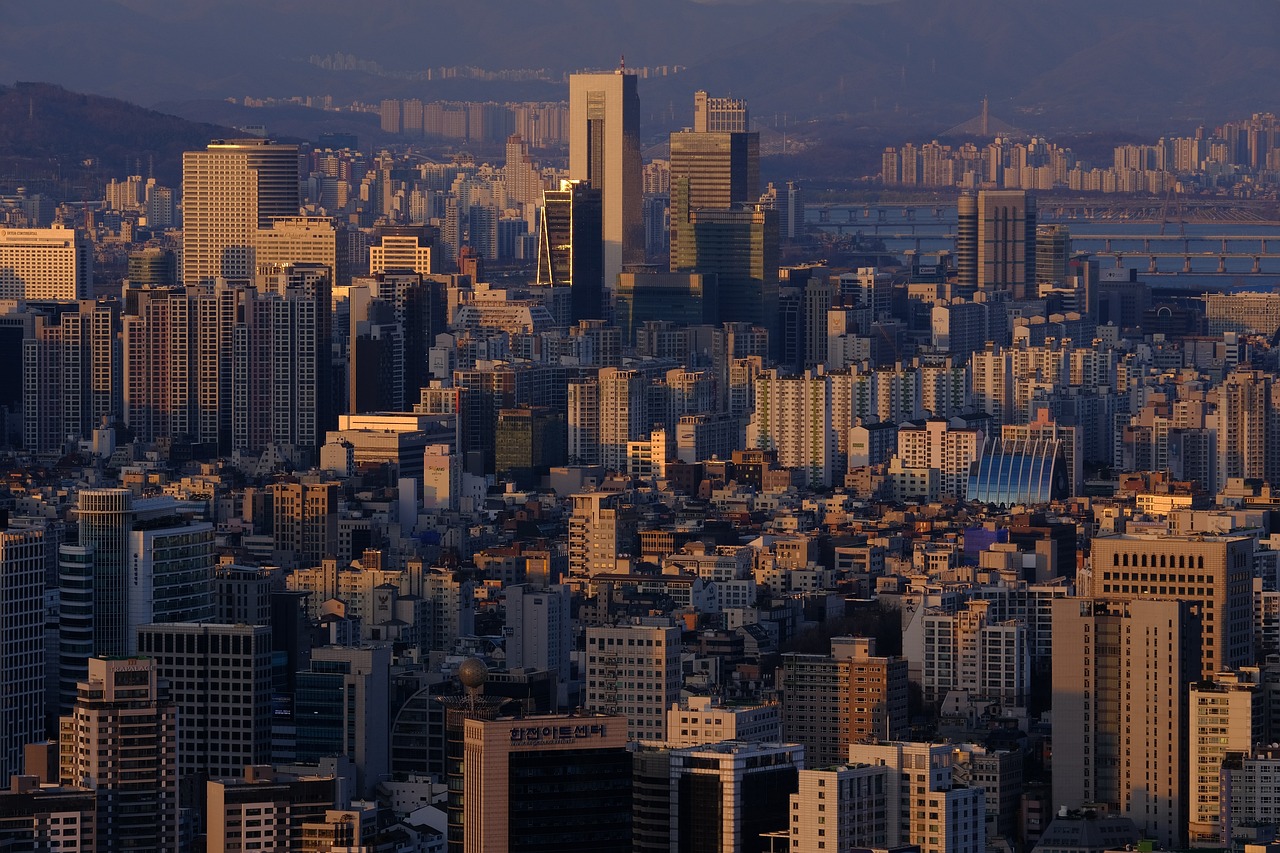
{"points": [[510, 804], [842, 808], [121, 740], [703, 719], [604, 150], [45, 264], [1121, 669], [633, 671], [1226, 716], [1215, 571], [851, 696], [926, 807], [229, 191]]}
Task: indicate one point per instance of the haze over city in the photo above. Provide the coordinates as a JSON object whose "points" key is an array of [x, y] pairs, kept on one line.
{"points": [[691, 426]]}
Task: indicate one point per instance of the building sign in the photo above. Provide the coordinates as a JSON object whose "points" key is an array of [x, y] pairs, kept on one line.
{"points": [[564, 733]]}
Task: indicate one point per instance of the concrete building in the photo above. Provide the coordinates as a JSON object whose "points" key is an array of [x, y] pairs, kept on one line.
{"points": [[1120, 674], [936, 444], [601, 529], [703, 719], [970, 652], [1214, 571], [725, 795], [604, 151], [341, 708], [264, 810], [220, 678], [539, 632], [926, 807], [1227, 715], [121, 741], [546, 782], [633, 671], [229, 191], [45, 264], [22, 648], [842, 808], [793, 417], [851, 696]]}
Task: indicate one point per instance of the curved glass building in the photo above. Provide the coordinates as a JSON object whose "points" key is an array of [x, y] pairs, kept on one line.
{"points": [[1011, 473]]}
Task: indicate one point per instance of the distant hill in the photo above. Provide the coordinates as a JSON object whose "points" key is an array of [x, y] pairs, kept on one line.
{"points": [[50, 137], [1150, 66]]}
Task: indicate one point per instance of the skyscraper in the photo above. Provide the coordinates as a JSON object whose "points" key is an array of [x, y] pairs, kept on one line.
{"points": [[121, 740], [604, 150], [229, 191], [1121, 670], [996, 243], [570, 251], [22, 659]]}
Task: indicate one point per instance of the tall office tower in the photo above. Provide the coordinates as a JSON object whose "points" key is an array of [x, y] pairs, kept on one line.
{"points": [[624, 414], [170, 567], [650, 799], [265, 810], [121, 740], [999, 228], [1120, 676], [416, 309], [303, 240], [219, 678], [604, 150], [740, 246], [1226, 715], [229, 191], [539, 632], [375, 356], [710, 171], [569, 253], [105, 519], [401, 247], [340, 707], [75, 621], [152, 267], [1243, 423], [719, 115], [725, 796], [1053, 254], [46, 264], [841, 807], [633, 670], [304, 522], [22, 652], [546, 782], [793, 416], [967, 245], [71, 375], [1215, 572], [850, 696], [925, 806]]}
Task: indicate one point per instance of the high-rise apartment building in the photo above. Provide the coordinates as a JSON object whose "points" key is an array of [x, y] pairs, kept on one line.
{"points": [[229, 191], [925, 806], [401, 247], [22, 656], [604, 150], [304, 522], [1226, 715], [633, 670], [570, 251], [71, 375], [850, 696], [46, 264], [601, 529], [842, 808], [793, 416], [1213, 571], [121, 740], [1121, 670]]}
